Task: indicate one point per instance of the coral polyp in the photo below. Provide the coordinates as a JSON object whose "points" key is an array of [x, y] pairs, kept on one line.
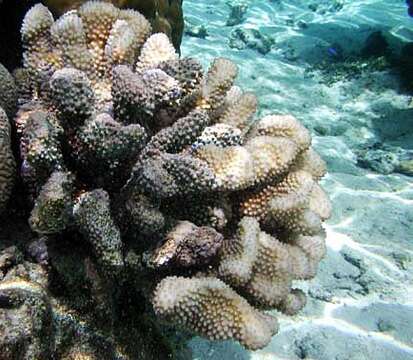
{"points": [[201, 213]]}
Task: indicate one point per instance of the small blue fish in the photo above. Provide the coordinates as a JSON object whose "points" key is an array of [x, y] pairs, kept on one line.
{"points": [[332, 52]]}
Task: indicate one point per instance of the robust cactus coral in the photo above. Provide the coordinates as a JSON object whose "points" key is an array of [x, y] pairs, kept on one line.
{"points": [[52, 211], [91, 40], [165, 15], [262, 267], [7, 163], [26, 318], [92, 216], [211, 308], [39, 147], [8, 92], [8, 102], [163, 177]]}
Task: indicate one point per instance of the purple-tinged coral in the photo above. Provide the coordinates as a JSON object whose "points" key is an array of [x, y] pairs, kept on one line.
{"points": [[188, 245]]}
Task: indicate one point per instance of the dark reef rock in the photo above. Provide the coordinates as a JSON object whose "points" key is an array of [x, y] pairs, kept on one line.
{"points": [[237, 14], [386, 159], [375, 45], [250, 39], [326, 6], [198, 31]]}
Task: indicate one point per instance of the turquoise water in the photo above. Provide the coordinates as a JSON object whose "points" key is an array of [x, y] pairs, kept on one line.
{"points": [[312, 59]]}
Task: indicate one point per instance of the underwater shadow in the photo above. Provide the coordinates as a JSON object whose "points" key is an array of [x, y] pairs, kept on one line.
{"points": [[395, 126], [11, 17], [320, 41], [210, 350]]}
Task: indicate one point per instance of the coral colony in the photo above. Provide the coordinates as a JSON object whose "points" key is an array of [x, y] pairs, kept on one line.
{"points": [[160, 171]]}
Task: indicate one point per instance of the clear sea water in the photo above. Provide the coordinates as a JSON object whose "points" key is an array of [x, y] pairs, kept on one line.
{"points": [[345, 69]]}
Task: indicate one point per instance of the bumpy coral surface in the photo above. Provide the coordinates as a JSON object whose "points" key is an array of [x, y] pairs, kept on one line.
{"points": [[165, 15], [163, 177], [212, 309], [7, 163], [8, 92], [8, 102]]}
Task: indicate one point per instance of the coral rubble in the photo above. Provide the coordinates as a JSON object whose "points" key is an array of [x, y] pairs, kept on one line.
{"points": [[250, 39], [155, 192], [237, 13]]}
